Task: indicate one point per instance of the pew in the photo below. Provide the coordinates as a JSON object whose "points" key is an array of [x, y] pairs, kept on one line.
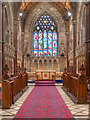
{"points": [[76, 85], [11, 86], [7, 93]]}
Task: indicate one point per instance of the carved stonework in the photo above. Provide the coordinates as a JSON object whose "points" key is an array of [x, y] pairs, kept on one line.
{"points": [[67, 33], [9, 50], [15, 22], [74, 21]]}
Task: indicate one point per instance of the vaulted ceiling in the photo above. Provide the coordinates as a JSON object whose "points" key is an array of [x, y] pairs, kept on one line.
{"points": [[28, 7], [62, 7]]}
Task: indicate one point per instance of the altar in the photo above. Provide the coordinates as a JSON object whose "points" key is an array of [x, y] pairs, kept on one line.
{"points": [[45, 74]]}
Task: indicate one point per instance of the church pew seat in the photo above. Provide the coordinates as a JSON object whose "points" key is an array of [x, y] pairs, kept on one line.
{"points": [[11, 86], [76, 86]]}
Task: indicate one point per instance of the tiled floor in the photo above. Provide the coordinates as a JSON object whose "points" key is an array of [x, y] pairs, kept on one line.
{"points": [[78, 110]]}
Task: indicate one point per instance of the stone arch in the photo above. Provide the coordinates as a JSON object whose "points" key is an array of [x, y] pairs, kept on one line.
{"points": [[55, 60], [10, 22], [35, 65], [40, 60], [50, 61], [55, 64], [35, 60], [40, 64], [45, 64], [45, 60], [83, 9], [6, 26], [35, 14], [80, 38], [50, 64]]}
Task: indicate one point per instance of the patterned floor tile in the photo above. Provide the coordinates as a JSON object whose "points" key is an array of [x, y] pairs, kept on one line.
{"points": [[77, 110]]}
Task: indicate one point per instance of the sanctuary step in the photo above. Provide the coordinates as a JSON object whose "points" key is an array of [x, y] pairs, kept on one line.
{"points": [[45, 83], [45, 80]]}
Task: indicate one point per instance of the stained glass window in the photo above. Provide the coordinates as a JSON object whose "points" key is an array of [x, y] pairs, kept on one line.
{"points": [[54, 43], [35, 43], [45, 36]]}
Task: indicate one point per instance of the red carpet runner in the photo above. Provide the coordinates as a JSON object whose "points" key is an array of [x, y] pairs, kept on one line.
{"points": [[44, 102]]}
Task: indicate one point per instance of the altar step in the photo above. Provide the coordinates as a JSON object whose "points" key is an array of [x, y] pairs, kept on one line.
{"points": [[45, 83], [45, 80]]}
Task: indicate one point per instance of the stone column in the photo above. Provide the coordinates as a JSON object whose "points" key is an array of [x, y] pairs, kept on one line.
{"points": [[28, 62], [32, 66], [52, 65], [67, 39], [22, 37], [74, 21], [38, 65], [58, 66], [42, 65], [15, 44], [87, 61], [47, 65], [0, 41], [3, 37]]}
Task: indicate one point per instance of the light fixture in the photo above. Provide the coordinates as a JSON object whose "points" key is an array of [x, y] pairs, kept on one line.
{"points": [[20, 14], [69, 13]]}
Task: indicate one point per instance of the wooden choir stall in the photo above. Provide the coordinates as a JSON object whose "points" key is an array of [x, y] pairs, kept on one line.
{"points": [[76, 86], [12, 86]]}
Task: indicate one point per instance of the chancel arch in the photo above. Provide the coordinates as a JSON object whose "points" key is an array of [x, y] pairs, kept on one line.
{"points": [[35, 15], [34, 35]]}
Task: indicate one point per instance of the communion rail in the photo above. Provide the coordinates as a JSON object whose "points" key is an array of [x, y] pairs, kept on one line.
{"points": [[76, 86], [11, 86]]}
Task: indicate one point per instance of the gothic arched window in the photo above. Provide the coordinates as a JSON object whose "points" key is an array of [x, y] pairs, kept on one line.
{"points": [[45, 37]]}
